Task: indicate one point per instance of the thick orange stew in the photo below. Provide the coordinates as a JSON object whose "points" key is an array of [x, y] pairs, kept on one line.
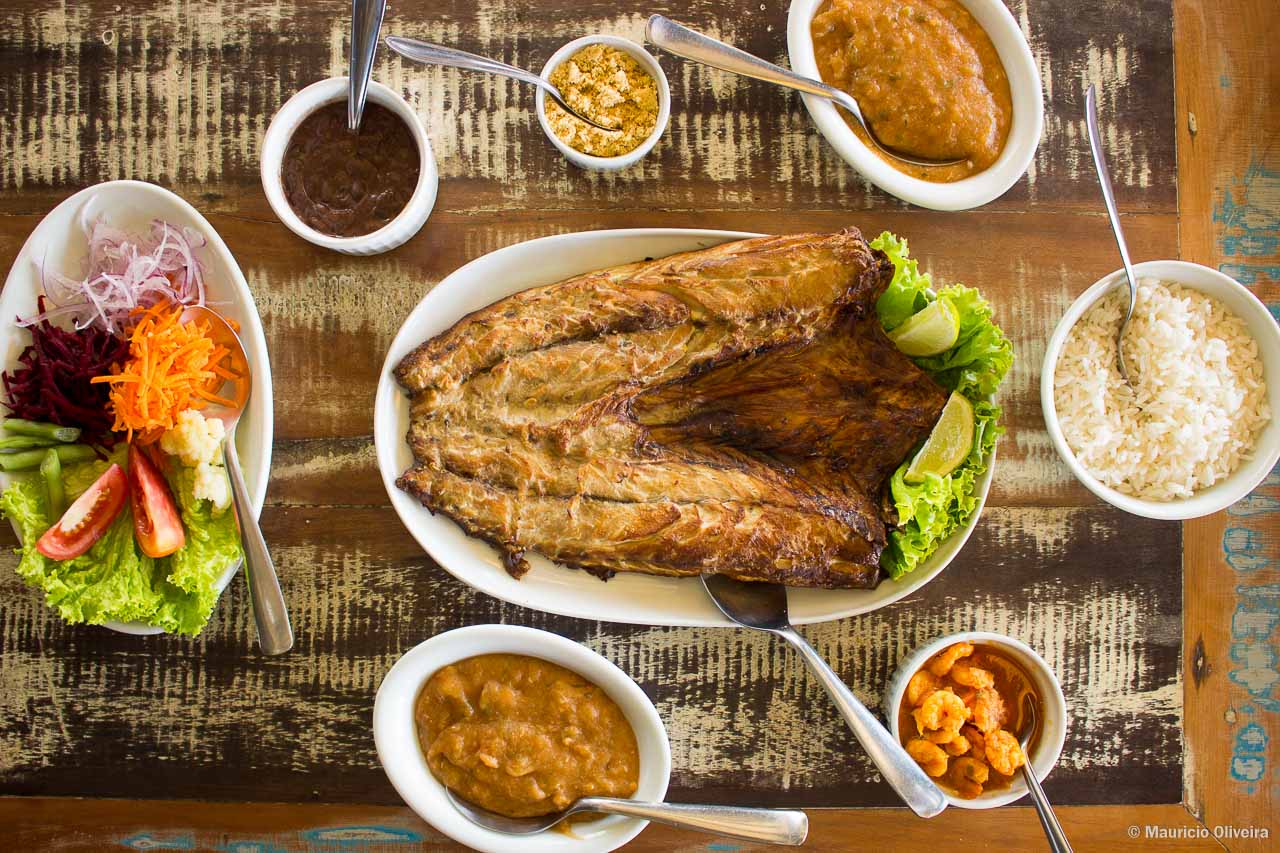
{"points": [[961, 716], [926, 75], [524, 737]]}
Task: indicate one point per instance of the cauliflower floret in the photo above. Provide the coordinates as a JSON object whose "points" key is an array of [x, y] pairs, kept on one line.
{"points": [[195, 439], [211, 484]]}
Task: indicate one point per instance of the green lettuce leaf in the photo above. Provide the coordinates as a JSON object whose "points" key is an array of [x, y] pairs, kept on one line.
{"points": [[931, 511], [114, 580]]}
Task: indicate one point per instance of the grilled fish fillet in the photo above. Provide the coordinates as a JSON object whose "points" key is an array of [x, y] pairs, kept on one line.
{"points": [[734, 410]]}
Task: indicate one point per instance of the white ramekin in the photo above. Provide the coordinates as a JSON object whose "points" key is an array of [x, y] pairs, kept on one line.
{"points": [[1053, 708], [286, 121], [973, 191], [1266, 452], [396, 737], [650, 64]]}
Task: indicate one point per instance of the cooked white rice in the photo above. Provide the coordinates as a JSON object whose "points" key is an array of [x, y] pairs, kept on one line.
{"points": [[1197, 403]]}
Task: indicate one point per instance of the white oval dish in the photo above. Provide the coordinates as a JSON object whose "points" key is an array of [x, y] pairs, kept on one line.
{"points": [[407, 223], [622, 161], [627, 597], [1240, 301], [132, 205], [1053, 706], [396, 737], [973, 191]]}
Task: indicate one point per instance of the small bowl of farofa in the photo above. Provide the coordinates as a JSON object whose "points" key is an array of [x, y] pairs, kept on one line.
{"points": [[1195, 429], [618, 84]]}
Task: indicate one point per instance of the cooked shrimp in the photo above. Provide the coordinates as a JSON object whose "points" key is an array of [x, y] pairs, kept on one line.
{"points": [[958, 745], [969, 775], [941, 710], [921, 685], [975, 738], [929, 756], [988, 710], [1004, 752], [968, 675], [941, 736], [942, 662]]}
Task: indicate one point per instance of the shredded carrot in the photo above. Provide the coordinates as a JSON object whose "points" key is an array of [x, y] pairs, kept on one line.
{"points": [[172, 367]]}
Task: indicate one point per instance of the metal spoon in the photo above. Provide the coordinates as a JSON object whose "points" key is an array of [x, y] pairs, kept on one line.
{"points": [[275, 635], [1109, 198], [763, 606], [366, 22], [1052, 829], [436, 54], [683, 42], [772, 826]]}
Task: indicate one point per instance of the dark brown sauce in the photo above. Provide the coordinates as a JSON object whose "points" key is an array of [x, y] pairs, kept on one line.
{"points": [[349, 184]]}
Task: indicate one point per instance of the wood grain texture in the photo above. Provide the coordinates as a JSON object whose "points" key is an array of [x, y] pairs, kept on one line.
{"points": [[180, 93], [88, 826], [1228, 94]]}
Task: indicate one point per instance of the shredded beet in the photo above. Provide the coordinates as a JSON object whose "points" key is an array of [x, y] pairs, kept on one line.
{"points": [[53, 382]]}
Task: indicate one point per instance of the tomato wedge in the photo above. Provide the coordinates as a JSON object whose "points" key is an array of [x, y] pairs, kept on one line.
{"points": [[88, 518], [156, 523]]}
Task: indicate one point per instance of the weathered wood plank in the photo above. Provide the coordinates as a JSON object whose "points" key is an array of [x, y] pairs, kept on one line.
{"points": [[72, 826], [1228, 97], [182, 94], [87, 712]]}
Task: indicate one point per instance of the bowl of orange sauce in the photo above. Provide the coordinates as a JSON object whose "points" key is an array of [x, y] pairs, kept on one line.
{"points": [[957, 704], [946, 80]]}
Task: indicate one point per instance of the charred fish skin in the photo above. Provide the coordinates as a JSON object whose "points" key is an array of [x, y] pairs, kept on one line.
{"points": [[732, 410]]}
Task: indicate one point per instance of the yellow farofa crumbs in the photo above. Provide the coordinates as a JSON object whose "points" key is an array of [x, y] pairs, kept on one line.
{"points": [[611, 87]]}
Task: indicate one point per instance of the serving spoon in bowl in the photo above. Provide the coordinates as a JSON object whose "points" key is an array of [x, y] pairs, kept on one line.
{"points": [[689, 44], [763, 607], [438, 54], [1109, 199], [275, 634], [1048, 820], [787, 827]]}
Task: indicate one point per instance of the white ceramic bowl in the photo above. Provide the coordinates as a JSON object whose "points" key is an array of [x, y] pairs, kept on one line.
{"points": [[59, 240], [1240, 301], [650, 64], [286, 121], [976, 190], [1053, 706], [396, 737]]}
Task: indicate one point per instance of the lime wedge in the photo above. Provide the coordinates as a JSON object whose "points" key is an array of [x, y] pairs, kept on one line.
{"points": [[930, 331], [948, 444]]}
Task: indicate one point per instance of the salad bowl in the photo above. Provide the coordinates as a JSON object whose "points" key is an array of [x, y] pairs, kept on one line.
{"points": [[628, 597], [59, 243]]}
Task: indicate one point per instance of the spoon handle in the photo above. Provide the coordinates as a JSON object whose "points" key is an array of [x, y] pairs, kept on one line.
{"points": [[366, 21], [772, 826], [1048, 820], [899, 769], [275, 634], [678, 39]]}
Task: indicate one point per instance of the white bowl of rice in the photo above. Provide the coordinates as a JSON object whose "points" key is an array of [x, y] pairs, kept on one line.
{"points": [[1196, 431]]}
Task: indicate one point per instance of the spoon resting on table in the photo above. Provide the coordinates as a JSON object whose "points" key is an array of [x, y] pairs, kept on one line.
{"points": [[275, 634], [787, 827], [763, 607], [1048, 820], [689, 44]]}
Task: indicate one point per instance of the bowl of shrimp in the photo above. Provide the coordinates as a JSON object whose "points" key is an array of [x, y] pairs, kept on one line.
{"points": [[959, 707]]}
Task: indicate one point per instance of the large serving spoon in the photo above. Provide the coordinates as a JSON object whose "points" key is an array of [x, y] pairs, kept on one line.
{"points": [[438, 54], [1109, 198], [1048, 820], [689, 44], [275, 634], [772, 826], [763, 606]]}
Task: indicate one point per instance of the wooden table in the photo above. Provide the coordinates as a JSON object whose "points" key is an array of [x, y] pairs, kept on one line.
{"points": [[1172, 683]]}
